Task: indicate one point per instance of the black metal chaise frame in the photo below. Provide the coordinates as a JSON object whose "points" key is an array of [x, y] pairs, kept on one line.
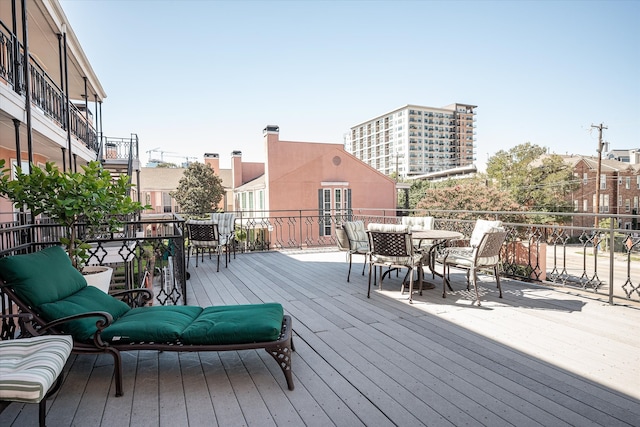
{"points": [[280, 349]]}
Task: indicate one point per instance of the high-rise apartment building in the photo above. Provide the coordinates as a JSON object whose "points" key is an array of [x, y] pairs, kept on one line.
{"points": [[416, 140]]}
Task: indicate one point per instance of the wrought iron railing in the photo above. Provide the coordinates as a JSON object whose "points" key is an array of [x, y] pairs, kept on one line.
{"points": [[605, 261], [46, 95], [600, 260], [142, 253]]}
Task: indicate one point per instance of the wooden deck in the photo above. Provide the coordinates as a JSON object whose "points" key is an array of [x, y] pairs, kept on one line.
{"points": [[536, 357]]}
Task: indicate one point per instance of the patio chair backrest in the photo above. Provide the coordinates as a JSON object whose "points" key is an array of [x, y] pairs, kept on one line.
{"points": [[418, 223], [488, 252], [341, 238], [357, 235], [203, 233], [226, 222], [391, 240], [482, 226]]}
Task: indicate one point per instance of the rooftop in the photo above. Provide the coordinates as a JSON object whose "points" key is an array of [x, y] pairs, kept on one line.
{"points": [[539, 356]]}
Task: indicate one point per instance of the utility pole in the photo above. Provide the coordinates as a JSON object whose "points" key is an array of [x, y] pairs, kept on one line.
{"points": [[600, 127]]}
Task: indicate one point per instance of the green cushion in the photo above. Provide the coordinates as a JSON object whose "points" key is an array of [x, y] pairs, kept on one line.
{"points": [[236, 324], [85, 300], [159, 324], [42, 277]]}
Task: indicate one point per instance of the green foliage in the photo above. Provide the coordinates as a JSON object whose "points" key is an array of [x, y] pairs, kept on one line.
{"points": [[92, 198], [167, 165], [241, 234], [465, 195], [417, 192], [199, 190], [536, 181]]}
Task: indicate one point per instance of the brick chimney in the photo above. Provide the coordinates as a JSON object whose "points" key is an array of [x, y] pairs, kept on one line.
{"points": [[213, 159], [236, 169]]}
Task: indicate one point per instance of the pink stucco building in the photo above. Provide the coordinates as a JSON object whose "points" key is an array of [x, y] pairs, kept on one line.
{"points": [[302, 188], [306, 175], [310, 180]]}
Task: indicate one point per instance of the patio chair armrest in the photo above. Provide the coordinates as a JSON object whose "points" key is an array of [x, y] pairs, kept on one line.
{"points": [[458, 243], [104, 320], [134, 297], [458, 250]]}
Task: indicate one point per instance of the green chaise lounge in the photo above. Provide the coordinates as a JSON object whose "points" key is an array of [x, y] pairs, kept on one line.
{"points": [[46, 285]]}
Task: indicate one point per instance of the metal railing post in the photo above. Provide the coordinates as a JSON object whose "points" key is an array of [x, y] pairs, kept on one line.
{"points": [[611, 259], [300, 227]]}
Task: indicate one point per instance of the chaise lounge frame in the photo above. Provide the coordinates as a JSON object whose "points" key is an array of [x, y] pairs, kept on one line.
{"points": [[279, 349]]}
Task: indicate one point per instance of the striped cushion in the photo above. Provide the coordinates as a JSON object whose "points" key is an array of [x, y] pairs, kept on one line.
{"points": [[30, 366], [204, 243], [226, 222]]}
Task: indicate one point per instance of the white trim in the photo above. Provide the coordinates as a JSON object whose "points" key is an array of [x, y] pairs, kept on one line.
{"points": [[332, 183]]}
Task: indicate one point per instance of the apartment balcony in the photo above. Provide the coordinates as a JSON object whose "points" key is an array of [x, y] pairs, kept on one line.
{"points": [[60, 86], [554, 351]]}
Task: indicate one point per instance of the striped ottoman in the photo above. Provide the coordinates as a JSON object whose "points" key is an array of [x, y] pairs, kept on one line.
{"points": [[29, 367]]}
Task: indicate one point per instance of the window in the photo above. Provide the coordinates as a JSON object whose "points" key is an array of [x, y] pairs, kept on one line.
{"points": [[585, 206], [24, 166], [604, 203], [325, 206], [627, 183], [261, 200], [635, 202], [585, 178], [603, 182], [575, 205], [166, 202], [333, 203], [337, 200], [638, 181], [627, 205], [251, 200]]}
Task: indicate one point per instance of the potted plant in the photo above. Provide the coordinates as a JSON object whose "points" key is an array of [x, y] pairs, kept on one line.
{"points": [[93, 199], [241, 237]]}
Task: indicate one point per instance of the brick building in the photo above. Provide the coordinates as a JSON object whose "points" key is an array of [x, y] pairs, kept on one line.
{"points": [[619, 189]]}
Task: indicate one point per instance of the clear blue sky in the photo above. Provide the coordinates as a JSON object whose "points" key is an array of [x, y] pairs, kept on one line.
{"points": [[207, 76]]}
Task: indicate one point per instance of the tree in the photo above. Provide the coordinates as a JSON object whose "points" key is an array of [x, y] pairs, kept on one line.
{"points": [[466, 195], [92, 198], [536, 181], [417, 192], [199, 190]]}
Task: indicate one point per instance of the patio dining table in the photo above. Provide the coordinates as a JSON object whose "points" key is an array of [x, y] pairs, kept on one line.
{"points": [[440, 238]]}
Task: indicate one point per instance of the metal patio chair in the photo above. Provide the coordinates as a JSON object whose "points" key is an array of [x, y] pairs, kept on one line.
{"points": [[358, 242], [392, 247], [485, 255], [203, 237]]}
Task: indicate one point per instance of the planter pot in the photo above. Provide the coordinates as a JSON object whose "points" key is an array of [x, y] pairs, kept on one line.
{"points": [[98, 276]]}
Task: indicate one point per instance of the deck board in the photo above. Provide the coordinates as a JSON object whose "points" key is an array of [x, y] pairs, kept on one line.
{"points": [[539, 356]]}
